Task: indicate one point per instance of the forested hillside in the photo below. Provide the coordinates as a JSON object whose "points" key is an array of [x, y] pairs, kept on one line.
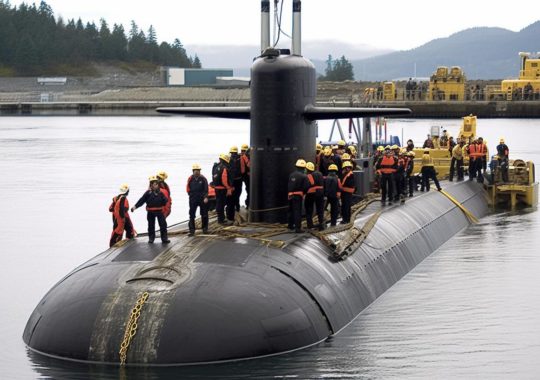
{"points": [[34, 42]]}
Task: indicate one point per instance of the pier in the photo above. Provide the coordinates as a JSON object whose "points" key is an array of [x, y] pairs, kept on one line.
{"points": [[421, 109]]}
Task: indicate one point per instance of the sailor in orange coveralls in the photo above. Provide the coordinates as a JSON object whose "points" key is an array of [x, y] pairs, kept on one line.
{"points": [[164, 187], [121, 220]]}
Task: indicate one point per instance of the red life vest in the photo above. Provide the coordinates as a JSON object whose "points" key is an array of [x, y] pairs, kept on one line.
{"points": [[244, 164], [387, 163], [345, 188], [312, 187]]}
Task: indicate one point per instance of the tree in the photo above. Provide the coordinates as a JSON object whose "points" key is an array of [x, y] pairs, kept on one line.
{"points": [[338, 70]]}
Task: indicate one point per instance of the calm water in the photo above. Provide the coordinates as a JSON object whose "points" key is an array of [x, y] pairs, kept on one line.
{"points": [[471, 310]]}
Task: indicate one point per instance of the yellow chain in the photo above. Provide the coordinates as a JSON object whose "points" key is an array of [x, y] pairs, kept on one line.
{"points": [[131, 327]]}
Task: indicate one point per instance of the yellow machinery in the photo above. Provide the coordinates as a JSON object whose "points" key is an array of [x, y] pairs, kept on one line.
{"points": [[389, 91], [526, 87], [521, 188], [441, 156], [447, 84], [468, 128]]}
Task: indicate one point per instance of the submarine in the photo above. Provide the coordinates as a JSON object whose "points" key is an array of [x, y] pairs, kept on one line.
{"points": [[255, 289]]}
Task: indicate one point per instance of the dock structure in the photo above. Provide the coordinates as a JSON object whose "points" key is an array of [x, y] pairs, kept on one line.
{"points": [[420, 109]]}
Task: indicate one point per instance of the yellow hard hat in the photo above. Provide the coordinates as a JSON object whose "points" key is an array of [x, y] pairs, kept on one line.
{"points": [[310, 166], [333, 167], [334, 147], [124, 188], [345, 156], [234, 149], [224, 157], [196, 167], [380, 148], [300, 163], [501, 140], [412, 154], [387, 147], [341, 143], [162, 175], [152, 178], [244, 147], [394, 147], [327, 151], [347, 164], [352, 148], [318, 147], [403, 150]]}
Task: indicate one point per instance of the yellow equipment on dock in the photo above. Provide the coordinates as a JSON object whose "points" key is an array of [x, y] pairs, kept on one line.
{"points": [[447, 84], [526, 87]]}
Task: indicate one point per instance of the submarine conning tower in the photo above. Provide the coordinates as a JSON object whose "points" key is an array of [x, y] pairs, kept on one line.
{"points": [[281, 88], [282, 85]]}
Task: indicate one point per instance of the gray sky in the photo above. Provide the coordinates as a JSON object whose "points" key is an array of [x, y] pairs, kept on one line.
{"points": [[397, 25]]}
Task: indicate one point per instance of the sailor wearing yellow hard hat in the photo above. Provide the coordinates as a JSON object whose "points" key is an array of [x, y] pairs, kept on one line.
{"points": [[155, 201], [297, 187], [197, 189]]}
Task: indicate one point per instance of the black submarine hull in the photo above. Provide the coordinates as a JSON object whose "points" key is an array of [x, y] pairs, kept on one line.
{"points": [[213, 300]]}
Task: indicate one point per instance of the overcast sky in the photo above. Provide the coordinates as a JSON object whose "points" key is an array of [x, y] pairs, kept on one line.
{"points": [[400, 24]]}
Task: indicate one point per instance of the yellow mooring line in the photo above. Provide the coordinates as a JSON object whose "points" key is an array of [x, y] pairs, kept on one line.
{"points": [[467, 213], [131, 327]]}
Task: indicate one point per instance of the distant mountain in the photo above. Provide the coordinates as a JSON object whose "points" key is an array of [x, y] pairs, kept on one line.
{"points": [[240, 57], [483, 53]]}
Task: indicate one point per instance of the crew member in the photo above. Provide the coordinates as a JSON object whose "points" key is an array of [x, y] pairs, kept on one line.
{"points": [[428, 143], [444, 139], [155, 202], [386, 167], [236, 175], [197, 189], [410, 145], [297, 186], [352, 151], [327, 159], [332, 192], [164, 187], [457, 161], [314, 196], [224, 190], [477, 152], [409, 178], [121, 220], [399, 175], [428, 172], [341, 145], [245, 169], [348, 188], [502, 157], [318, 155]]}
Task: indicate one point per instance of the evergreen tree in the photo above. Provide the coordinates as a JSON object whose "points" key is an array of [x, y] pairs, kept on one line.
{"points": [[338, 70], [33, 41]]}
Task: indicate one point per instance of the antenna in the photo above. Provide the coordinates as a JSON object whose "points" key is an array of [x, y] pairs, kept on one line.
{"points": [[297, 28], [265, 24]]}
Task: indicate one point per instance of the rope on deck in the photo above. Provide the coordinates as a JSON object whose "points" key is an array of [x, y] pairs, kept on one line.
{"points": [[473, 219]]}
